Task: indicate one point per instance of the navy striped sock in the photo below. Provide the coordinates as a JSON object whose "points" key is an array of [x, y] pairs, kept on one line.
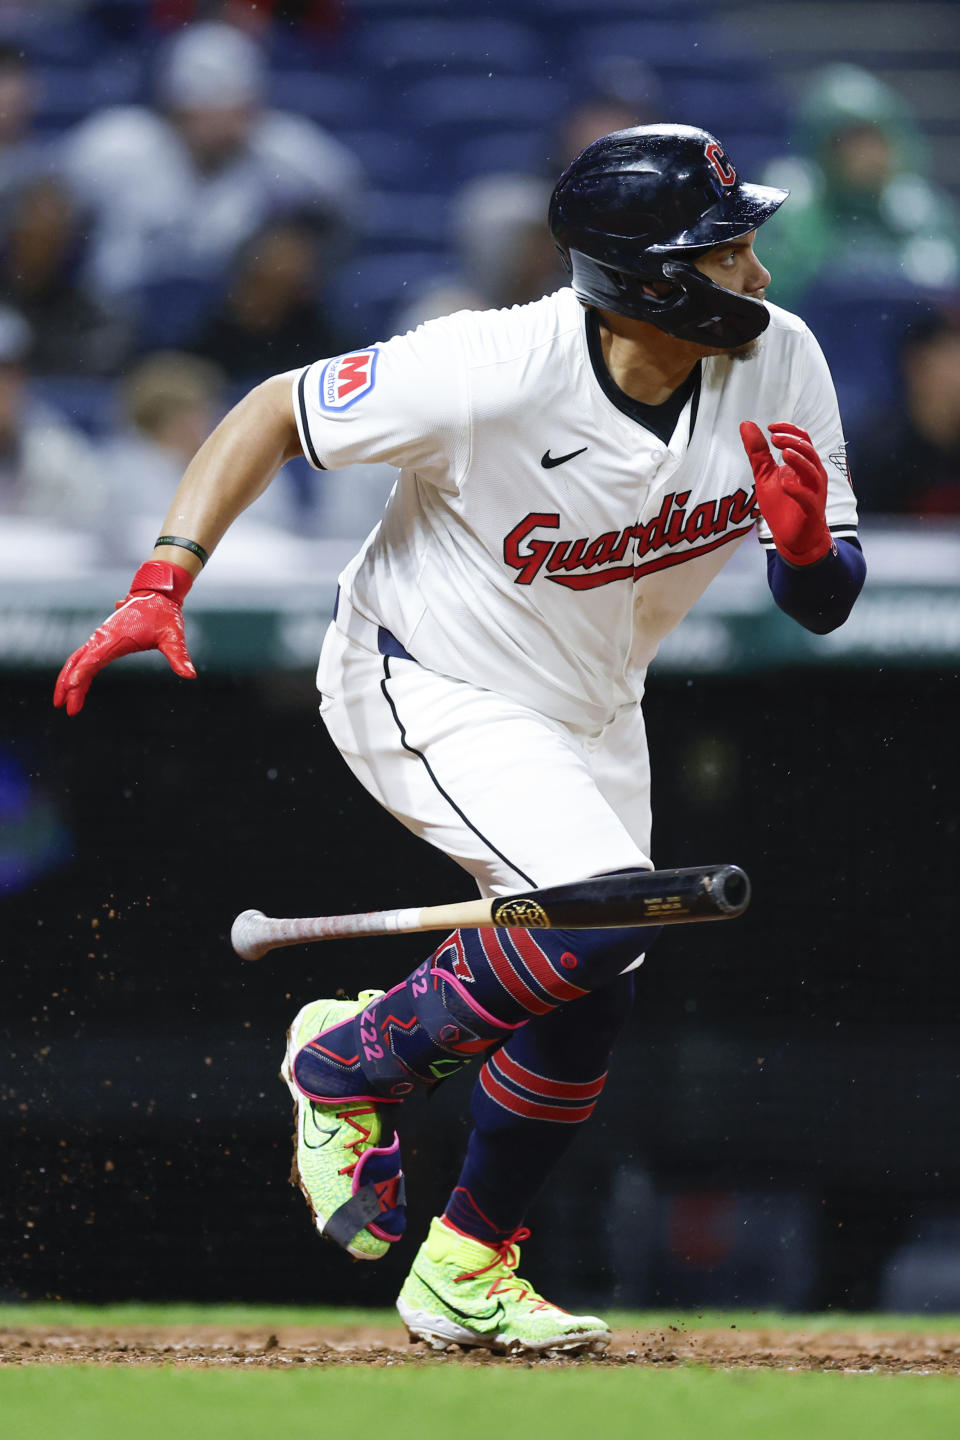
{"points": [[531, 1097]]}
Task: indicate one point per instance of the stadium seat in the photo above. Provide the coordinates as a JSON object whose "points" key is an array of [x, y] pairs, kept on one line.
{"points": [[679, 45], [860, 326], [391, 159], [62, 40], [418, 48], [171, 308], [450, 112], [88, 402], [395, 220], [370, 290], [483, 100], [333, 99], [523, 151], [68, 93], [382, 12], [754, 112], [292, 46], [558, 13]]}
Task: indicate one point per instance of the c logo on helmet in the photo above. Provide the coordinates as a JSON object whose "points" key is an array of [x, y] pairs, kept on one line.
{"points": [[720, 163]]}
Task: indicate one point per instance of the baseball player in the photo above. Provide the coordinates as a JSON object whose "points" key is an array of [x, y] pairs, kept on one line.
{"points": [[573, 474]]}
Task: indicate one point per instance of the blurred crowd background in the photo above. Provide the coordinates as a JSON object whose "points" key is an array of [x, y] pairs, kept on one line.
{"points": [[197, 193]]}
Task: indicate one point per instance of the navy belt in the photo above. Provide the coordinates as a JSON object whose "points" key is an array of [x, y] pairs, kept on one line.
{"points": [[387, 642]]}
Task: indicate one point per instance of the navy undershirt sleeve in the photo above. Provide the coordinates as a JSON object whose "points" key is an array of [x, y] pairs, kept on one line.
{"points": [[819, 596]]}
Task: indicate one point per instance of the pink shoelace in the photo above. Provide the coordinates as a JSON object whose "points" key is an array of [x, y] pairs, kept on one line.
{"points": [[507, 1255]]}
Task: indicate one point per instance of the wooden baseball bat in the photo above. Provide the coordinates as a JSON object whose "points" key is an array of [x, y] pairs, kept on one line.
{"points": [[626, 897]]}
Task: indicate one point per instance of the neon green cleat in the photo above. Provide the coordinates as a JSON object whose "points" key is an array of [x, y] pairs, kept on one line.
{"points": [[345, 1160], [462, 1292]]}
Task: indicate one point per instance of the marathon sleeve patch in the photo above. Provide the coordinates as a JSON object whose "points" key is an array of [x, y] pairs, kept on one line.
{"points": [[347, 379], [402, 402]]}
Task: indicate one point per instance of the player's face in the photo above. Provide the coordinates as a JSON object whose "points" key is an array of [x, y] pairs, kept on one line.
{"points": [[735, 266]]}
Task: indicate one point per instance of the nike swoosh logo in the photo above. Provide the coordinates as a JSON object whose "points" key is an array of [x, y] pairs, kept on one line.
{"points": [[318, 1130], [549, 460], [498, 1313]]}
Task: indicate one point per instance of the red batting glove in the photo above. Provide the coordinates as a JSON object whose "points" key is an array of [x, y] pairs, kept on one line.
{"points": [[793, 496], [148, 618]]}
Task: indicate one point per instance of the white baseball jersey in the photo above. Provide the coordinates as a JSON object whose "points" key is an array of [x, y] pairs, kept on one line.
{"points": [[540, 541]]}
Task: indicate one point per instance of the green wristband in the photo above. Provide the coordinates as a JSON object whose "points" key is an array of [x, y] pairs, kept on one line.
{"points": [[190, 545]]}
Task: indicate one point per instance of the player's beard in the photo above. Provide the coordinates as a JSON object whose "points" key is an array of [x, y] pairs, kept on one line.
{"points": [[746, 352]]}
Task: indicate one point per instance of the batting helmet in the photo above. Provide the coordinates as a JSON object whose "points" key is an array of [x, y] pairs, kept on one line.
{"points": [[636, 206]]}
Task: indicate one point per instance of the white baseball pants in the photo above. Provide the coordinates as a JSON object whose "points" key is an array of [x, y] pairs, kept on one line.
{"points": [[518, 800]]}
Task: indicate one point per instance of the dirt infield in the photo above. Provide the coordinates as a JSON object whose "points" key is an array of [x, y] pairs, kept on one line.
{"points": [[213, 1346]]}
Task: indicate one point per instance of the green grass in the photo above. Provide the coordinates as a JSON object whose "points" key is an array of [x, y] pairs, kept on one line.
{"points": [[77, 1403], [490, 1402], [67, 1316]]}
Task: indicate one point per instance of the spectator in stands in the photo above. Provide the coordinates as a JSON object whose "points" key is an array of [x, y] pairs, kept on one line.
{"points": [[170, 402], [861, 207], [505, 252], [171, 190], [908, 455], [22, 154], [621, 91], [48, 469], [270, 319], [40, 252]]}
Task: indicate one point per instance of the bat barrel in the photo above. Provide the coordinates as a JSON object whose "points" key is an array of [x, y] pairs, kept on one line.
{"points": [[730, 889], [708, 892], [631, 897]]}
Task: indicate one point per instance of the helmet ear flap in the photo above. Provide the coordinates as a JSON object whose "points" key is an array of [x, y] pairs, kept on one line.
{"points": [[736, 319], [695, 309]]}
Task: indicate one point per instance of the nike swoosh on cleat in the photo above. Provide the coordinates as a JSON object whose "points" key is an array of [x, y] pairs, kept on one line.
{"points": [[549, 461], [498, 1313], [319, 1130]]}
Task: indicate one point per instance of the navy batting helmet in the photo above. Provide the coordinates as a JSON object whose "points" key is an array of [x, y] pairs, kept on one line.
{"points": [[636, 206]]}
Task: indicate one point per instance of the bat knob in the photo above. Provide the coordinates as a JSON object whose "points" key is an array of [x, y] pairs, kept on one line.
{"points": [[244, 935]]}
